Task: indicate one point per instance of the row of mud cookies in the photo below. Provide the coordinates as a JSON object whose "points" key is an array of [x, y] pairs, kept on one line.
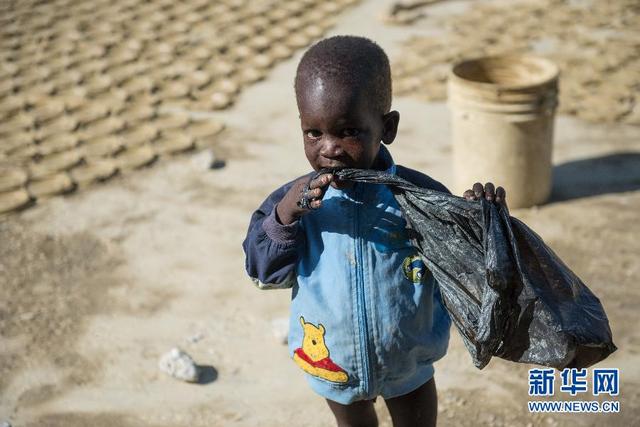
{"points": [[594, 45], [41, 165], [198, 54], [90, 89]]}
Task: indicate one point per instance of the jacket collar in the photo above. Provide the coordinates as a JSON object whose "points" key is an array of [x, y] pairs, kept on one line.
{"points": [[384, 156]]}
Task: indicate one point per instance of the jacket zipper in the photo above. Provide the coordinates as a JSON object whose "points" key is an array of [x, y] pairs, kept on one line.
{"points": [[361, 300]]}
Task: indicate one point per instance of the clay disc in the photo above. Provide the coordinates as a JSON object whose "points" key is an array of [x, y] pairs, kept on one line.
{"points": [[205, 128], [104, 127], [198, 79], [136, 157], [13, 200], [57, 143], [138, 84], [54, 163], [280, 52], [141, 134], [98, 84], [105, 146], [50, 185], [11, 177], [23, 154], [260, 43], [221, 68], [174, 142], [14, 140], [91, 112], [262, 61], [250, 75], [95, 170], [171, 120], [12, 103], [66, 79], [138, 113], [72, 100], [48, 110], [174, 90], [17, 123], [62, 124], [219, 100]]}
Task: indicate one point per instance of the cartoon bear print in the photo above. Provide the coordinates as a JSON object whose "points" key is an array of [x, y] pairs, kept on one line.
{"points": [[313, 356]]}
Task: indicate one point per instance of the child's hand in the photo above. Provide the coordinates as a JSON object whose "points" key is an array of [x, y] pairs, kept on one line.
{"points": [[489, 192], [293, 205]]}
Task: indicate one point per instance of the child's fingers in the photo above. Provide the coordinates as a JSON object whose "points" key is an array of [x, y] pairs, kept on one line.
{"points": [[469, 195], [315, 204], [489, 191], [501, 195], [321, 181], [315, 193], [478, 190]]}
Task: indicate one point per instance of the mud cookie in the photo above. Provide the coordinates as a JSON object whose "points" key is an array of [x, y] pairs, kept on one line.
{"points": [[170, 119], [14, 199], [93, 171], [136, 157], [50, 185], [11, 177], [54, 163], [174, 142], [57, 143], [100, 147]]}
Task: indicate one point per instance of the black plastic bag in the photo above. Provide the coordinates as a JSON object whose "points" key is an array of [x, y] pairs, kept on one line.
{"points": [[508, 293]]}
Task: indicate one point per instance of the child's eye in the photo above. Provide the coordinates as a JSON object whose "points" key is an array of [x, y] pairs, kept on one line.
{"points": [[313, 133], [350, 132]]}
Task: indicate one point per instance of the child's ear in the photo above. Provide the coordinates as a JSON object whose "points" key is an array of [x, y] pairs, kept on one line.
{"points": [[390, 126]]}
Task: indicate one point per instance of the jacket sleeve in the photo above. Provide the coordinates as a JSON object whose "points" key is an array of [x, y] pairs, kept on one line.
{"points": [[271, 249]]}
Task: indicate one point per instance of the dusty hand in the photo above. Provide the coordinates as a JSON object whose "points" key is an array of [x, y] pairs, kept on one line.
{"points": [[293, 205], [488, 192]]}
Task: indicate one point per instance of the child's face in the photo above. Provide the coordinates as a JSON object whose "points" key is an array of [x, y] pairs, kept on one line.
{"points": [[341, 127]]}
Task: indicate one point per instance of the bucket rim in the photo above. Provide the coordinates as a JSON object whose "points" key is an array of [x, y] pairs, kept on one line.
{"points": [[551, 76]]}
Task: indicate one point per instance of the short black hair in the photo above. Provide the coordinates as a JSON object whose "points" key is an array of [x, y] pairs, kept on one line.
{"points": [[354, 61]]}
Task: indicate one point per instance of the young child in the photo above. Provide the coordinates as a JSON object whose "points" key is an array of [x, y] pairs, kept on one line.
{"points": [[367, 318]]}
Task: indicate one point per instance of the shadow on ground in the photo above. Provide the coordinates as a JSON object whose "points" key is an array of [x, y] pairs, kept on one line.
{"points": [[208, 374], [614, 173]]}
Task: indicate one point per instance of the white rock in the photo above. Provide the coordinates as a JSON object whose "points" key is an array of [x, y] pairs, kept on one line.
{"points": [[203, 159], [179, 365], [5, 424], [280, 329]]}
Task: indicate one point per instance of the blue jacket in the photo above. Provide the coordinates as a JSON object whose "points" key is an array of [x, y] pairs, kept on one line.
{"points": [[367, 317]]}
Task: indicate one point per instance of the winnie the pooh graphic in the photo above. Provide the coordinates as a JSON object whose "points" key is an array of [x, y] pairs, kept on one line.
{"points": [[414, 268], [313, 356]]}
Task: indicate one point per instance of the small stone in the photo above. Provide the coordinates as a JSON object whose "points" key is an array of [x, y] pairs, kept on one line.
{"points": [[280, 329], [198, 336], [179, 365], [217, 163], [202, 160], [5, 424]]}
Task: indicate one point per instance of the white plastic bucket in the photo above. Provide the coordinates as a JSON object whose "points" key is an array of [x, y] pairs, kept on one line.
{"points": [[502, 111]]}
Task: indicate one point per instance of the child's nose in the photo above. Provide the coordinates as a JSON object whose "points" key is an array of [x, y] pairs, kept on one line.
{"points": [[331, 148]]}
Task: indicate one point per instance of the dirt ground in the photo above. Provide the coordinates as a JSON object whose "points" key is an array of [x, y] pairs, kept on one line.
{"points": [[96, 286]]}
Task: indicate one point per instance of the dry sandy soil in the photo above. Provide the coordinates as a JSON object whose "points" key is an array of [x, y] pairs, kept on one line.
{"points": [[97, 285]]}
